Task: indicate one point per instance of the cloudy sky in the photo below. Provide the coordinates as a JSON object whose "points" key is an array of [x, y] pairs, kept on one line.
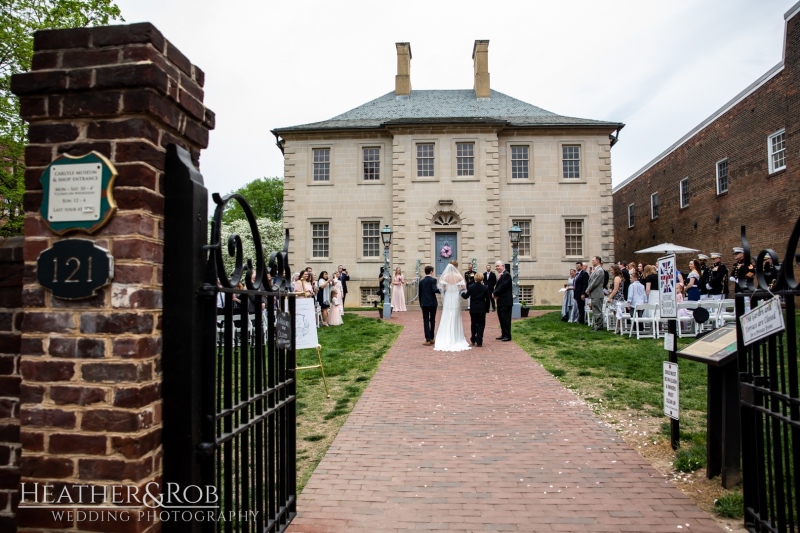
{"points": [[660, 67]]}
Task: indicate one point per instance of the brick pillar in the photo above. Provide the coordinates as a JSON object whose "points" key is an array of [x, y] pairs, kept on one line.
{"points": [[11, 268], [91, 410]]}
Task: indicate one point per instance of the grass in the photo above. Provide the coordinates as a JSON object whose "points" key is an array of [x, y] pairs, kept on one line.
{"points": [[730, 505], [351, 354]]}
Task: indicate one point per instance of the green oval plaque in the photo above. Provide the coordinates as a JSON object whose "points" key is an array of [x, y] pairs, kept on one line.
{"points": [[77, 193]]}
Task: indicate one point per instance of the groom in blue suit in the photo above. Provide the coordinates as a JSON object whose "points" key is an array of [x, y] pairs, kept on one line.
{"points": [[429, 304]]}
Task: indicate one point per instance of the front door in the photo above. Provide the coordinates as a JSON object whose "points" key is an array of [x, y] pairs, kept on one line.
{"points": [[445, 239]]}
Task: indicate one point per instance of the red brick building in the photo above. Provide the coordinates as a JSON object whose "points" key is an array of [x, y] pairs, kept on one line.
{"points": [[739, 167]]}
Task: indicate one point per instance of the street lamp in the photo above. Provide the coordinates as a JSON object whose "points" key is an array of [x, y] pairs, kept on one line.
{"points": [[386, 236], [514, 233]]}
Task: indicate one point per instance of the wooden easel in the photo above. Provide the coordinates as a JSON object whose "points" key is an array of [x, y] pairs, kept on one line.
{"points": [[319, 358]]}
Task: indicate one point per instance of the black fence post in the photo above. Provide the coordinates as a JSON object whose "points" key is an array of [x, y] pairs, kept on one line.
{"points": [[185, 236]]}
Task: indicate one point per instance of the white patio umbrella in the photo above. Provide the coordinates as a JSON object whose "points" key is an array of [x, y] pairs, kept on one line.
{"points": [[667, 248]]}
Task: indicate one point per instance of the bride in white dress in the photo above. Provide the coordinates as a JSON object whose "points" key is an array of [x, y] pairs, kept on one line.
{"points": [[450, 335]]}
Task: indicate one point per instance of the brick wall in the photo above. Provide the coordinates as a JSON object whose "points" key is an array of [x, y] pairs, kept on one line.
{"points": [[11, 267], [767, 204], [91, 369]]}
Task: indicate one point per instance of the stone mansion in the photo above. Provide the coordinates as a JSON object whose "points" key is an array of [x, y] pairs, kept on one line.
{"points": [[449, 167]]}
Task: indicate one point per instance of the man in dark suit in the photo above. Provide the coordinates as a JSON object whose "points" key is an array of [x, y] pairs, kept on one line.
{"points": [[490, 280], [579, 293], [505, 300], [344, 277], [478, 296], [429, 304]]}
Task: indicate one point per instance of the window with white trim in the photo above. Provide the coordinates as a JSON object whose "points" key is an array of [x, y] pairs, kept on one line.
{"points": [[322, 164], [319, 239], [573, 237], [371, 239], [425, 160], [372, 163], [524, 248], [519, 162], [630, 216], [776, 145], [571, 160], [465, 159], [654, 206], [722, 176], [684, 192]]}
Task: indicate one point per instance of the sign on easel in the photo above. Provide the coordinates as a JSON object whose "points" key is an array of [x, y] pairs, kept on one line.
{"points": [[671, 390], [667, 287]]}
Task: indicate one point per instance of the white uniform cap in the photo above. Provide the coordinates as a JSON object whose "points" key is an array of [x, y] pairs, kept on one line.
{"points": [[738, 250], [702, 256], [715, 254]]}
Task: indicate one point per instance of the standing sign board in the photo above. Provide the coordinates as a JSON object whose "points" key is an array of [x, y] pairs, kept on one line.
{"points": [[667, 289], [78, 193], [671, 390]]}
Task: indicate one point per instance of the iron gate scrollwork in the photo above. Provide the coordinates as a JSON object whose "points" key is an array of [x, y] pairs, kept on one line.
{"points": [[229, 390], [769, 398]]}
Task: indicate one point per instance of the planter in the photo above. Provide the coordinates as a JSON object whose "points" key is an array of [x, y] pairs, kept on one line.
{"points": [[523, 311]]}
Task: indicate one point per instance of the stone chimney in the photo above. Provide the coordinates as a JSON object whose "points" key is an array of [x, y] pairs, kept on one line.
{"points": [[480, 59], [402, 82]]}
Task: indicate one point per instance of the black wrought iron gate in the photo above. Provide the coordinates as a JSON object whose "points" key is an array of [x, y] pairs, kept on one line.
{"points": [[770, 402], [229, 387]]}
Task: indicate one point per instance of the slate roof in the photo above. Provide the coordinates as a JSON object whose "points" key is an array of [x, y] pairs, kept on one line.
{"points": [[446, 106]]}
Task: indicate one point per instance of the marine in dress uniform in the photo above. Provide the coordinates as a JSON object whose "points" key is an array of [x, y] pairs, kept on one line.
{"points": [[704, 270], [717, 278], [738, 254]]}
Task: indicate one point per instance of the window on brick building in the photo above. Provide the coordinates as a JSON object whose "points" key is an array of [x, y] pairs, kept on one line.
{"points": [[371, 238], [776, 145], [722, 176], [571, 160], [372, 164], [425, 160], [465, 159], [519, 162], [322, 164], [319, 239], [573, 237], [630, 216], [654, 206], [684, 192], [524, 249]]}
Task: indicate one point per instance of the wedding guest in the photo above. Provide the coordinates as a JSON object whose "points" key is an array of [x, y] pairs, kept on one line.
{"points": [[579, 292], [505, 300], [381, 288], [568, 302], [594, 290], [478, 296], [398, 294], [344, 277], [636, 293], [490, 280], [693, 281], [469, 277], [303, 286], [334, 313], [336, 285], [651, 286], [324, 295], [428, 303], [617, 296]]}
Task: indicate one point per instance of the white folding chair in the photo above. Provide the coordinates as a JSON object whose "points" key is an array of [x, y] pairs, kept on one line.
{"points": [[610, 315], [712, 306], [687, 327], [727, 312], [645, 326], [625, 323]]}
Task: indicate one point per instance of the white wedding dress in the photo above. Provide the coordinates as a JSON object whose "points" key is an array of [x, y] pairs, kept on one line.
{"points": [[450, 335]]}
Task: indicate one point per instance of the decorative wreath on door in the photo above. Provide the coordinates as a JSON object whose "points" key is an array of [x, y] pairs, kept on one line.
{"points": [[446, 251]]}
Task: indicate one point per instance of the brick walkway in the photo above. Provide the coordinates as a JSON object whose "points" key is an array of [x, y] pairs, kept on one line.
{"points": [[484, 440]]}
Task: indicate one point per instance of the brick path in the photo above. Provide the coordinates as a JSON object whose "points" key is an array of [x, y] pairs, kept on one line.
{"points": [[484, 440]]}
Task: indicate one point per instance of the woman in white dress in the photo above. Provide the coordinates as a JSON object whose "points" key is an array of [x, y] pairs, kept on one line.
{"points": [[450, 335]]}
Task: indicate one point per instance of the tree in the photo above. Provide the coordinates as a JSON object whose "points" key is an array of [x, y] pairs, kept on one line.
{"points": [[19, 19], [271, 233], [265, 197]]}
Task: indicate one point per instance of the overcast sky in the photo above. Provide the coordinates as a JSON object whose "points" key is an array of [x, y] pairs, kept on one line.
{"points": [[659, 67]]}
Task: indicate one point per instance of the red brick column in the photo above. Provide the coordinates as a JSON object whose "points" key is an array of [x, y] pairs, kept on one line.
{"points": [[91, 369], [11, 267]]}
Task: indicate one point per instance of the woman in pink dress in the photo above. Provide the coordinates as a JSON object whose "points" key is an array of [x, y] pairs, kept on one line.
{"points": [[398, 294]]}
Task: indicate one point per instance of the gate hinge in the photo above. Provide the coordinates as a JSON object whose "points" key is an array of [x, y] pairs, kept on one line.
{"points": [[205, 449], [207, 290]]}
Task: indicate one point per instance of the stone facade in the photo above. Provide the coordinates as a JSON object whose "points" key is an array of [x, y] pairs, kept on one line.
{"points": [[757, 195], [477, 208], [90, 393]]}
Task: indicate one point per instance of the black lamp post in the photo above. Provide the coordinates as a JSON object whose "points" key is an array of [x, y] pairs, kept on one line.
{"points": [[514, 233], [386, 236]]}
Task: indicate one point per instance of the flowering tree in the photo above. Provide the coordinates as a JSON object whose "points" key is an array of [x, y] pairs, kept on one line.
{"points": [[271, 239]]}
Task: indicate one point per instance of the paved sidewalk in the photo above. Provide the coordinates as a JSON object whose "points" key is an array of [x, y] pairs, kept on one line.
{"points": [[483, 440]]}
